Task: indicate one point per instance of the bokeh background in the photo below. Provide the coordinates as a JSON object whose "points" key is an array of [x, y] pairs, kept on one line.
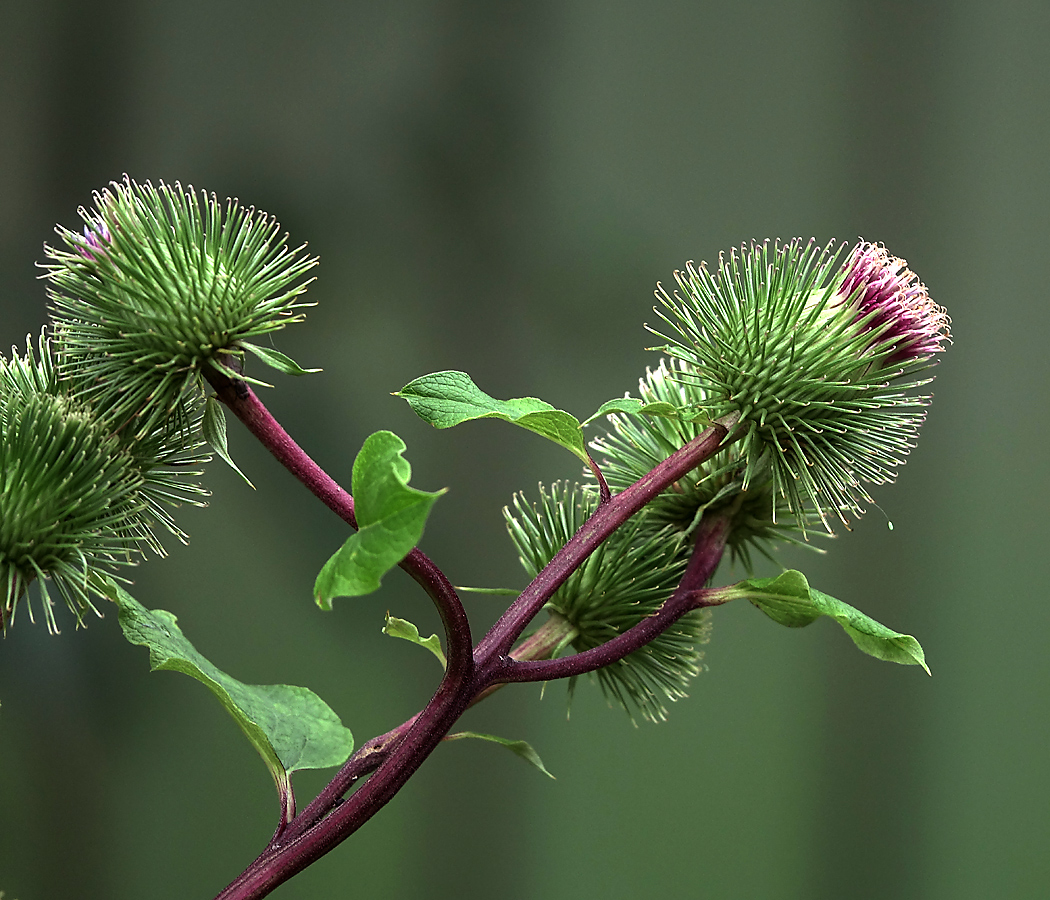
{"points": [[496, 187]]}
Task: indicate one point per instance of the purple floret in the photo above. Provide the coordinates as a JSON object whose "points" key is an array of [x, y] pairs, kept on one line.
{"points": [[893, 302], [96, 236]]}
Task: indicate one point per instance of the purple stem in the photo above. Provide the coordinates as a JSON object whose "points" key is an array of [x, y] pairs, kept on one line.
{"points": [[243, 403], [689, 595], [605, 520], [279, 862], [395, 756], [364, 760]]}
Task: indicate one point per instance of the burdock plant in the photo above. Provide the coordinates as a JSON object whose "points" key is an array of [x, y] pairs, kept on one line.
{"points": [[791, 386]]}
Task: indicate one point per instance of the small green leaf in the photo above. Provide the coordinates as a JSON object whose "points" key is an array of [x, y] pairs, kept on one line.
{"points": [[291, 727], [390, 515], [277, 360], [635, 407], [498, 592], [237, 376], [213, 428], [789, 600], [521, 748], [448, 398], [402, 628]]}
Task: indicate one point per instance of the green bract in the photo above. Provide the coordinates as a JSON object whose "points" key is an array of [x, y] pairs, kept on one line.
{"points": [[809, 352], [623, 582], [636, 444], [74, 495], [162, 282]]}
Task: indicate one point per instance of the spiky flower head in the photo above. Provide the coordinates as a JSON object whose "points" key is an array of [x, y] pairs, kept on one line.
{"points": [[162, 282], [634, 445], [819, 359], [624, 581], [76, 498]]}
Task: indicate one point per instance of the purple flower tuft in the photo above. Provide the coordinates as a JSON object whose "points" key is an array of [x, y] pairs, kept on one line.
{"points": [[895, 305], [96, 236]]}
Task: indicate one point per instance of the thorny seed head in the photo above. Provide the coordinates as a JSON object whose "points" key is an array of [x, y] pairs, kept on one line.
{"points": [[76, 498], [634, 445], [162, 282], [819, 359], [623, 582]]}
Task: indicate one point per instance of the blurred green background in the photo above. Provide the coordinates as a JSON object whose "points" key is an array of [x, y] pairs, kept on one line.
{"points": [[496, 187]]}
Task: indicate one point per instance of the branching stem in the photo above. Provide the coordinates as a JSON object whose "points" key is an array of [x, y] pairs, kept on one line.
{"points": [[392, 758], [689, 595], [606, 519], [243, 402]]}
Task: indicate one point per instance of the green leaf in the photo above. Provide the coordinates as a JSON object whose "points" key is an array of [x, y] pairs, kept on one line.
{"points": [[213, 428], [635, 407], [237, 376], [498, 592], [789, 600], [521, 748], [448, 398], [390, 515], [277, 360], [291, 727], [402, 628]]}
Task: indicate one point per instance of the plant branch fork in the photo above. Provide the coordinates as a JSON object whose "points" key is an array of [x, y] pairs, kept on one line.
{"points": [[392, 758]]}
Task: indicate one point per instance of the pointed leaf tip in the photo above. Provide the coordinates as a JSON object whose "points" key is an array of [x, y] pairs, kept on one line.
{"points": [[402, 628], [277, 360], [519, 748], [789, 600], [213, 430]]}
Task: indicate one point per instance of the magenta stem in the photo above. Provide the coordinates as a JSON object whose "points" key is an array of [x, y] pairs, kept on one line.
{"points": [[393, 757], [606, 519], [245, 404], [689, 595]]}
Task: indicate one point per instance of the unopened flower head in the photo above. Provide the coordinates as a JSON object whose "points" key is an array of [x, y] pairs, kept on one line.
{"points": [[636, 444], [75, 497], [624, 581], [817, 357], [162, 282]]}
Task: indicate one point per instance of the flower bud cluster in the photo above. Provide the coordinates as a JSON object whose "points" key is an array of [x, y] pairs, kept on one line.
{"points": [[100, 430], [816, 358]]}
